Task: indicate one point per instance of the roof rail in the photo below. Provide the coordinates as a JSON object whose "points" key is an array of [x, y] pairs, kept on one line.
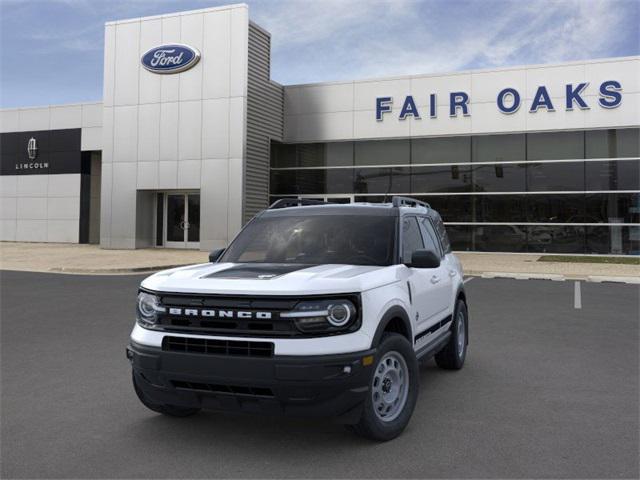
{"points": [[408, 202], [296, 202]]}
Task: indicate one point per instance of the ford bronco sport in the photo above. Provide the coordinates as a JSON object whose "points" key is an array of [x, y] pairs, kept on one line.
{"points": [[313, 309]]}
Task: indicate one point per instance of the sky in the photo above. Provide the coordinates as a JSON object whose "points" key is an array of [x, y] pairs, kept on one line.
{"points": [[51, 51]]}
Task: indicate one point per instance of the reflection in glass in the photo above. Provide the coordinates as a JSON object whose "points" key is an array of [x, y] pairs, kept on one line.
{"points": [[542, 177], [453, 178], [555, 145], [382, 180], [175, 218], [499, 178], [613, 175], [193, 234], [556, 239], [500, 208], [499, 148], [382, 152], [612, 143], [613, 240], [441, 150], [452, 208], [548, 208], [612, 208], [500, 238]]}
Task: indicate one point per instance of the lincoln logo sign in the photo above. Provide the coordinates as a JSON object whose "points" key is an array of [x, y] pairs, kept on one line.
{"points": [[508, 101], [172, 58]]}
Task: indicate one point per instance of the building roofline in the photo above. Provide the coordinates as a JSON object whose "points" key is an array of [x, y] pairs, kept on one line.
{"points": [[467, 72], [179, 14]]}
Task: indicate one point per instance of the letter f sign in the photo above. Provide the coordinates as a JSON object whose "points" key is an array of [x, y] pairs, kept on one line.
{"points": [[383, 104]]}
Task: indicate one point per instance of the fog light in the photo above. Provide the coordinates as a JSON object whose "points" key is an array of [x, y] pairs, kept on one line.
{"points": [[368, 360]]}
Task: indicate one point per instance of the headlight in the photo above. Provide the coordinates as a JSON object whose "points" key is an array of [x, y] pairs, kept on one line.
{"points": [[323, 316], [148, 307]]}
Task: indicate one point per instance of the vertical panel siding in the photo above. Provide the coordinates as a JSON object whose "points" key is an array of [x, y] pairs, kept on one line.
{"points": [[265, 120]]}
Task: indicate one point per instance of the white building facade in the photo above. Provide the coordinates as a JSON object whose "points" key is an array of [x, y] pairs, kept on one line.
{"points": [[538, 158]]}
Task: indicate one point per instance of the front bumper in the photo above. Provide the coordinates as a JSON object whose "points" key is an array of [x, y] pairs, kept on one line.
{"points": [[326, 385]]}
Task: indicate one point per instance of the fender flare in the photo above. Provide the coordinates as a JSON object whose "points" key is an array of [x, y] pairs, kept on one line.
{"points": [[394, 312]]}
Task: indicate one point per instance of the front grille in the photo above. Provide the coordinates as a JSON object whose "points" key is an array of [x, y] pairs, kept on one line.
{"points": [[229, 389], [217, 347], [250, 327]]}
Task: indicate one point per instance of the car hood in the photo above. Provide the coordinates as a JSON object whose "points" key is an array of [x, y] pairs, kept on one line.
{"points": [[271, 279]]}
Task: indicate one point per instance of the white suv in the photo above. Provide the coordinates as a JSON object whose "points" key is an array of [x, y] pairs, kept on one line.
{"points": [[314, 309]]}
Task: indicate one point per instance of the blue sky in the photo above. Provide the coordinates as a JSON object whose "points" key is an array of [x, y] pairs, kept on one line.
{"points": [[51, 51]]}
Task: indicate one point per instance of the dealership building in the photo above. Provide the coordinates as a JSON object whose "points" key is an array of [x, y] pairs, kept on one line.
{"points": [[193, 138]]}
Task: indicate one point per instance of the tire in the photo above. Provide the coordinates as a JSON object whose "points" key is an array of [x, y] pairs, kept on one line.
{"points": [[452, 356], [380, 420], [170, 410]]}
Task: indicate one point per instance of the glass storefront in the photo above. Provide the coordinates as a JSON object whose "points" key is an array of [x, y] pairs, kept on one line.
{"points": [[561, 192]]}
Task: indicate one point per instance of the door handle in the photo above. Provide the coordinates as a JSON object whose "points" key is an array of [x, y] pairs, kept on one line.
{"points": [[435, 279], [452, 273]]}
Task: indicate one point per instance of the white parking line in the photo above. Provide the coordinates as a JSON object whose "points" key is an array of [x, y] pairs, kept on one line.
{"points": [[577, 295], [467, 279]]}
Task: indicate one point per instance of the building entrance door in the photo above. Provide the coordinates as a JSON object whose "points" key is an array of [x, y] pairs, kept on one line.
{"points": [[182, 220]]}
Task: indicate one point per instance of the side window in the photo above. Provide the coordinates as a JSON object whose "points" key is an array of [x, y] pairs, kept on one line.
{"points": [[430, 238], [442, 234], [411, 238]]}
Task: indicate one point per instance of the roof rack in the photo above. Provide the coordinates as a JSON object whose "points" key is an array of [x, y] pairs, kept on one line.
{"points": [[408, 202], [296, 202]]}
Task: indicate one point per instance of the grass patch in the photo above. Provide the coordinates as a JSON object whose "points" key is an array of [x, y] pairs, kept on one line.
{"points": [[589, 259]]}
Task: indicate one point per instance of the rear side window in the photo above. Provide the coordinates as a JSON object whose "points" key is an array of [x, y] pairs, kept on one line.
{"points": [[430, 238], [442, 234], [411, 238]]}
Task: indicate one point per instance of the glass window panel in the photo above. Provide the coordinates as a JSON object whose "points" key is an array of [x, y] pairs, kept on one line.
{"points": [[371, 198], [499, 208], [567, 208], [283, 155], [445, 178], [499, 238], [429, 237], [339, 154], [441, 150], [567, 176], [283, 182], [382, 152], [612, 143], [310, 154], [555, 145], [411, 238], [613, 175], [613, 240], [499, 178], [460, 237], [612, 208], [556, 239], [499, 148], [452, 208], [193, 234], [382, 180]]}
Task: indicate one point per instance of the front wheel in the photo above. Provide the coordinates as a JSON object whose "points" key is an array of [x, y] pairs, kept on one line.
{"points": [[393, 391], [452, 356]]}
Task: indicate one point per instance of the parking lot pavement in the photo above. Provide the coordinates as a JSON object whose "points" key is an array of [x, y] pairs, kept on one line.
{"points": [[549, 390]]}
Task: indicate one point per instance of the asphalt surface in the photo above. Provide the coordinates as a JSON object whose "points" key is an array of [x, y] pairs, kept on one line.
{"points": [[548, 390]]}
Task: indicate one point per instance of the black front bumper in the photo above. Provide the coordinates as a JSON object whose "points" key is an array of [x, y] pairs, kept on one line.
{"points": [[327, 385]]}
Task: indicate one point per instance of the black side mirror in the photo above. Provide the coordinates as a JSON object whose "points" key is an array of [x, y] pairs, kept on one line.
{"points": [[424, 259], [215, 255]]}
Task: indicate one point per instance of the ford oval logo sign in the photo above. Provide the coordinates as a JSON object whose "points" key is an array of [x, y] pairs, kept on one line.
{"points": [[172, 58]]}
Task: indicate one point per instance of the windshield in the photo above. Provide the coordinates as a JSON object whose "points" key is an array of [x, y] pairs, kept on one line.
{"points": [[316, 239]]}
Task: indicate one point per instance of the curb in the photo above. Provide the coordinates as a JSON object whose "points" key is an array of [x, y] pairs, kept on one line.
{"points": [[555, 277], [95, 271]]}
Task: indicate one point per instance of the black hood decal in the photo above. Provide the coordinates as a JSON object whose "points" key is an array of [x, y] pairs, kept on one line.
{"points": [[257, 271]]}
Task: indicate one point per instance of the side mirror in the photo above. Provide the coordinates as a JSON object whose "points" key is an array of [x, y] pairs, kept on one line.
{"points": [[215, 255], [424, 259]]}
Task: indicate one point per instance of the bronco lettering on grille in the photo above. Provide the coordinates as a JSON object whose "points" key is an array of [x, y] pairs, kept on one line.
{"points": [[193, 312]]}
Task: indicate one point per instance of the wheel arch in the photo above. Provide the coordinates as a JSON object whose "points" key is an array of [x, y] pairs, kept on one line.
{"points": [[396, 320]]}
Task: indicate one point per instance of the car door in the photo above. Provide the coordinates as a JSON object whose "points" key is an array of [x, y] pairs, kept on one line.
{"points": [[440, 284], [423, 282]]}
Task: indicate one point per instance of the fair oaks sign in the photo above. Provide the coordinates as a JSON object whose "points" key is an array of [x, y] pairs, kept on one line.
{"points": [[508, 101], [173, 58]]}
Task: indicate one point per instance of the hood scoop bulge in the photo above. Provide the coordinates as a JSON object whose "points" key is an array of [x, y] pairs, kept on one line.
{"points": [[256, 271]]}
